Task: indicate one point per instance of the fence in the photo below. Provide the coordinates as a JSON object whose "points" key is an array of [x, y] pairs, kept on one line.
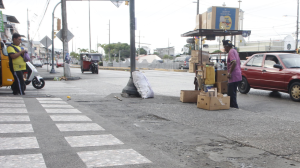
{"points": [[167, 64]]}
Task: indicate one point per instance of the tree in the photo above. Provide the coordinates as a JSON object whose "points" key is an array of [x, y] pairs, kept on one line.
{"points": [[217, 51], [75, 55], [83, 50], [166, 57], [156, 53], [142, 51], [114, 48], [191, 47]]}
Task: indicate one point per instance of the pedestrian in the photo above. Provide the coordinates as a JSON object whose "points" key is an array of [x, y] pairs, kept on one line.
{"points": [[234, 72], [17, 64]]}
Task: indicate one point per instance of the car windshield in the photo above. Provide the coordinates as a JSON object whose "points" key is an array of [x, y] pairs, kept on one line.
{"points": [[290, 60]]}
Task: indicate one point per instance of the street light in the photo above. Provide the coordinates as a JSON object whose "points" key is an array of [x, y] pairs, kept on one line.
{"points": [[197, 6]]}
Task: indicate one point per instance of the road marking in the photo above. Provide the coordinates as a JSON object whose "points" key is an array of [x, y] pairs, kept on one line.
{"points": [[6, 118], [53, 99], [69, 118], [79, 127], [11, 101], [11, 105], [53, 102], [18, 143], [15, 128], [62, 111], [13, 110], [24, 161], [93, 140], [11, 98], [56, 106], [106, 158]]}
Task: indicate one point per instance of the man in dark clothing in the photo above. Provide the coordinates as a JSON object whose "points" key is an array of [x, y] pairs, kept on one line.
{"points": [[234, 72]]}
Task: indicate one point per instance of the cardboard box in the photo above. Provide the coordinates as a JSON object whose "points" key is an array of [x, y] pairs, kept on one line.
{"points": [[192, 67], [210, 75], [213, 92], [189, 96], [221, 76], [213, 103], [222, 87], [196, 56], [222, 18], [204, 20], [198, 21]]}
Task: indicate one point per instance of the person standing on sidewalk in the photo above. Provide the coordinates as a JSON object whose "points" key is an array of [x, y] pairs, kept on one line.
{"points": [[17, 64], [234, 72]]}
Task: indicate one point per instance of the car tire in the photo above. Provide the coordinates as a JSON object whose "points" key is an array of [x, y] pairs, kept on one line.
{"points": [[244, 86], [294, 91]]}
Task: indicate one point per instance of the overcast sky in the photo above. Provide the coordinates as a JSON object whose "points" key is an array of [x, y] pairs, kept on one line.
{"points": [[157, 20]]}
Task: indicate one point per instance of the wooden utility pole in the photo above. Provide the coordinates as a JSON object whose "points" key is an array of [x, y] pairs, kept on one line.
{"points": [[297, 24], [64, 36]]}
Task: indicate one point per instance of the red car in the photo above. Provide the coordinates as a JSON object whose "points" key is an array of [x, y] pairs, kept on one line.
{"points": [[272, 71], [60, 63]]}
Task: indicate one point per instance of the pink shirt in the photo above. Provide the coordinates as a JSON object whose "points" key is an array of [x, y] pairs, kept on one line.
{"points": [[236, 74]]}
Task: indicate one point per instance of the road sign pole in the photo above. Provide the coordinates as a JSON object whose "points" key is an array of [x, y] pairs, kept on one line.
{"points": [[130, 89], [53, 70]]}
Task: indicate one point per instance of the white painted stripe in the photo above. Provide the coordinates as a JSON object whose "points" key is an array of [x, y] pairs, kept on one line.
{"points": [[13, 110], [48, 98], [18, 101], [15, 128], [11, 105], [93, 140], [24, 161], [56, 106], [62, 111], [11, 98], [79, 127], [53, 102], [18, 143], [9, 118], [70, 118]]}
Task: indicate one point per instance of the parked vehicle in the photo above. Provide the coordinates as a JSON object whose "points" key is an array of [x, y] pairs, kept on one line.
{"points": [[183, 62], [6, 77], [89, 62], [272, 71], [32, 77], [37, 63], [60, 63]]}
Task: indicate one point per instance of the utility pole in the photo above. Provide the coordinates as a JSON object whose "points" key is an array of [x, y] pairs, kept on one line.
{"points": [[197, 7], [67, 72], [109, 40], [97, 44], [297, 24], [130, 89], [52, 69], [90, 25], [168, 48]]}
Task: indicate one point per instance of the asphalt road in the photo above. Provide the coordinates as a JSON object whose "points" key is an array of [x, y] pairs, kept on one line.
{"points": [[263, 133]]}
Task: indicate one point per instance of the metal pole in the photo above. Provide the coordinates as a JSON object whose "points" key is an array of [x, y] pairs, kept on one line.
{"points": [[197, 7], [130, 89], [168, 48], [90, 24], [297, 24], [67, 72], [139, 43], [53, 70], [109, 40], [47, 53], [119, 58]]}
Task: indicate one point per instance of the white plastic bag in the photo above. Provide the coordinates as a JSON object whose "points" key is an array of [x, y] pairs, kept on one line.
{"points": [[142, 84]]}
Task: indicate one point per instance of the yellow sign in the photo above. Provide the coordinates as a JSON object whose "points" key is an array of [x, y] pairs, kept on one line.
{"points": [[225, 22]]}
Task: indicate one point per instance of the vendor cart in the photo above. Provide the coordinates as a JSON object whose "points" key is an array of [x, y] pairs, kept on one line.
{"points": [[89, 62], [210, 34]]}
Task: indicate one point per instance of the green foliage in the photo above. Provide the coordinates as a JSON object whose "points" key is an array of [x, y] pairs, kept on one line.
{"points": [[75, 55], [114, 48], [191, 47], [166, 57], [156, 53], [217, 51], [177, 55], [83, 50], [142, 51], [100, 63]]}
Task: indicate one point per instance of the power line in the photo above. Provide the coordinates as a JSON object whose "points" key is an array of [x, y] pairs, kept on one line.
{"points": [[47, 3]]}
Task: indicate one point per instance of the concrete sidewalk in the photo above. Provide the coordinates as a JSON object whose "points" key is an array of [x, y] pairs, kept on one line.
{"points": [[48, 76]]}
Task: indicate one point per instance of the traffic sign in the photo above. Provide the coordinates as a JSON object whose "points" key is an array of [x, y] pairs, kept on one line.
{"points": [[69, 36], [46, 41]]}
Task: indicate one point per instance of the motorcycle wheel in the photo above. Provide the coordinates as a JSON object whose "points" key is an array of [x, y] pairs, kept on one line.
{"points": [[38, 85]]}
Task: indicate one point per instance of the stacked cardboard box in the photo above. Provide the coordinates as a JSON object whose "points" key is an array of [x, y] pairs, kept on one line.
{"points": [[221, 81], [213, 101], [204, 20], [189, 96], [199, 21], [222, 18], [197, 58]]}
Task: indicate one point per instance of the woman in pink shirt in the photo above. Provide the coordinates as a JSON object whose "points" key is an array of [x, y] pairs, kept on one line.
{"points": [[234, 72]]}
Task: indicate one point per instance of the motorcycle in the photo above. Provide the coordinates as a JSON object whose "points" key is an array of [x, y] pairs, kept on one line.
{"points": [[32, 77]]}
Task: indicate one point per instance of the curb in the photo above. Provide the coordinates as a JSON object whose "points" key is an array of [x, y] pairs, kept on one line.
{"points": [[70, 78]]}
